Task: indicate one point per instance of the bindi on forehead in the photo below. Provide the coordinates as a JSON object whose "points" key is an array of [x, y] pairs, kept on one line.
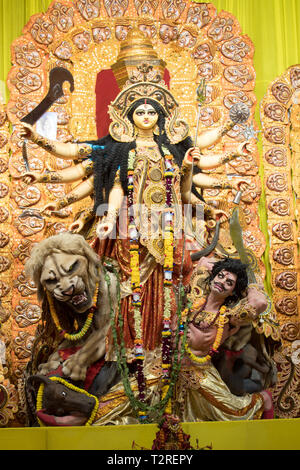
{"points": [[145, 107]]}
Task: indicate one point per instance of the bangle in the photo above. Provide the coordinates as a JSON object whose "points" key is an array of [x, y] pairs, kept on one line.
{"points": [[222, 183], [51, 177], [227, 127], [112, 215], [66, 201], [84, 150], [227, 157]]}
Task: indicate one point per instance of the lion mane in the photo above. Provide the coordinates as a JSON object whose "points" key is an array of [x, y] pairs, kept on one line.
{"points": [[67, 243], [93, 346]]}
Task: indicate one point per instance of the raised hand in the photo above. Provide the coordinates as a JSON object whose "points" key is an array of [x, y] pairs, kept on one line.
{"points": [[26, 131]]}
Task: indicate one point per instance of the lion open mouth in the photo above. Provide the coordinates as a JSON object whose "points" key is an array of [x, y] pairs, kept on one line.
{"points": [[79, 299]]}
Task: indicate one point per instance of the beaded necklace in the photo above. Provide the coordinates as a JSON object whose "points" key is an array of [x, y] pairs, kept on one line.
{"points": [[87, 323]]}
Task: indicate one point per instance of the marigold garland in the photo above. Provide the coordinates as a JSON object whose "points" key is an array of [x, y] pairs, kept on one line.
{"points": [[87, 323], [170, 369], [217, 342]]}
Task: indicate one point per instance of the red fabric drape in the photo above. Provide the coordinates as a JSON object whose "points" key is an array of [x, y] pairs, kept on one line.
{"points": [[106, 91]]}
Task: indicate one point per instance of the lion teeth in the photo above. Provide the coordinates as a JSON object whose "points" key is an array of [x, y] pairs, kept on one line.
{"points": [[79, 298]]}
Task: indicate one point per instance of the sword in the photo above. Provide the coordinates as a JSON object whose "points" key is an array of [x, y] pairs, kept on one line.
{"points": [[236, 234]]}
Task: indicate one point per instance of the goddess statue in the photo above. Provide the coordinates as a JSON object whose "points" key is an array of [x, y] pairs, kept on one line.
{"points": [[140, 176]]}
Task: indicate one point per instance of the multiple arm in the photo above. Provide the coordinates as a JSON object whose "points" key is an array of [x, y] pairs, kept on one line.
{"points": [[65, 150]]}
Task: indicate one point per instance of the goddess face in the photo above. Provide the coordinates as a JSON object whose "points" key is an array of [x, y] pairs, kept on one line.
{"points": [[145, 117]]}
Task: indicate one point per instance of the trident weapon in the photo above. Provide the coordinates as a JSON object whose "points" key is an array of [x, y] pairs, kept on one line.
{"points": [[57, 77]]}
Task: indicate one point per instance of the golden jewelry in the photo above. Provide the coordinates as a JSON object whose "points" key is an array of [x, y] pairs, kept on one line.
{"points": [[217, 342]]}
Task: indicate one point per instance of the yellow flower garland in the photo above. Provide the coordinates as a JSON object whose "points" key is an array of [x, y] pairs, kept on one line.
{"points": [[86, 326], [217, 342], [39, 401]]}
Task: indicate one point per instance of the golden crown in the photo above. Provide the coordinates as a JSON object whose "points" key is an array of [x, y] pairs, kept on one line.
{"points": [[139, 72]]}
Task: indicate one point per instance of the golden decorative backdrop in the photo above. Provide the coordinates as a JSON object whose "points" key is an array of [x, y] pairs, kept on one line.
{"points": [[196, 41], [280, 117]]}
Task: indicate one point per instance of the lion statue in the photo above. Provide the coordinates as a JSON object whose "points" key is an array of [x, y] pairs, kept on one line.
{"points": [[76, 304]]}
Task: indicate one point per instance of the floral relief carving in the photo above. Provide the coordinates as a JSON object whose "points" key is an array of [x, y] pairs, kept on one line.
{"points": [[168, 32], [3, 163], [290, 331], [22, 107], [187, 38], [101, 33], [22, 251], [116, 8], [4, 190], [25, 195], [4, 314], [275, 135], [275, 111], [221, 29], [286, 280], [3, 117], [4, 214], [276, 157], [146, 7], [64, 51], [204, 52], [27, 55], [88, 8], [62, 16], [208, 71], [172, 9], [283, 231], [295, 77], [24, 286], [238, 75], [4, 289], [198, 15], [82, 40], [27, 314], [42, 31], [26, 81], [237, 97], [4, 239], [282, 92], [277, 182], [5, 263], [29, 223], [286, 306], [3, 140], [284, 255], [23, 344], [280, 206], [121, 31], [236, 49]]}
